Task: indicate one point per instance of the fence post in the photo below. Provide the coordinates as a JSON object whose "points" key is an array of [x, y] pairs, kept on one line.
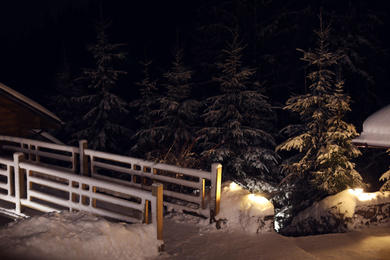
{"points": [[84, 169], [146, 214], [216, 179], [157, 190], [20, 189], [203, 193]]}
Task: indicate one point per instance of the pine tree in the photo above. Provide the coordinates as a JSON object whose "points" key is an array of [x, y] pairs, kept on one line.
{"points": [[64, 105], [357, 25], [336, 171], [148, 102], [105, 110], [325, 145], [177, 113], [236, 120]]}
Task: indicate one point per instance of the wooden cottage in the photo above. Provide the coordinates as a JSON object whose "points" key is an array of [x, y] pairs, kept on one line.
{"points": [[22, 117]]}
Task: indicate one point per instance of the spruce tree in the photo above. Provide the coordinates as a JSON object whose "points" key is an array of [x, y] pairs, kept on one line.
{"points": [[64, 105], [177, 112], [236, 120], [146, 105], [103, 127], [336, 171], [325, 144]]}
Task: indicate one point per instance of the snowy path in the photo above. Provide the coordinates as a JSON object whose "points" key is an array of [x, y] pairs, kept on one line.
{"points": [[184, 240]]}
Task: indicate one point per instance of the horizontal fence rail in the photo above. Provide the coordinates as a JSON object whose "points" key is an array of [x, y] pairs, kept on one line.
{"points": [[55, 155]]}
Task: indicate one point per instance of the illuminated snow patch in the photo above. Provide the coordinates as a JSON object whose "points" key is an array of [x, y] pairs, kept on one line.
{"points": [[257, 199], [362, 195], [240, 209]]}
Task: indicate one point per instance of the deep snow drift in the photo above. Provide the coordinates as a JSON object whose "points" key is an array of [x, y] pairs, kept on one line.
{"points": [[243, 235], [69, 235]]}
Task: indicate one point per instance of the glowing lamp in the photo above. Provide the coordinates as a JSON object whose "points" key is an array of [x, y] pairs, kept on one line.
{"points": [[359, 191], [356, 191], [257, 199], [234, 186], [362, 195]]}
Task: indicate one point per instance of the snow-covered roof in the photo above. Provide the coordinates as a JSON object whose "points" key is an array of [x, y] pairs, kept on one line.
{"points": [[28, 102], [376, 130]]}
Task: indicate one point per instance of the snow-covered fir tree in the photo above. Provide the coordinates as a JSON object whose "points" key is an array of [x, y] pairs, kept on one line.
{"points": [[64, 105], [336, 172], [146, 105], [174, 131], [103, 127], [325, 146], [236, 121]]}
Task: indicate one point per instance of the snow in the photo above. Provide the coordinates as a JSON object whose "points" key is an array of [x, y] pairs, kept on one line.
{"points": [[242, 210], [345, 202], [376, 129], [185, 240], [69, 235]]}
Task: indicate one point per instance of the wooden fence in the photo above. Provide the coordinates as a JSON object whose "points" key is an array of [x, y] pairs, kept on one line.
{"points": [[27, 184], [187, 190]]}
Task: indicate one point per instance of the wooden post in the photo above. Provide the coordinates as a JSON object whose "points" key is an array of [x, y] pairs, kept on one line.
{"points": [[83, 158], [37, 157], [20, 190], [93, 200], [203, 191], [75, 163], [216, 175], [146, 215], [157, 190]]}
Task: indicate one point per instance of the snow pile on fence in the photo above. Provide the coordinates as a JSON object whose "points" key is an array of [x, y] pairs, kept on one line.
{"points": [[69, 235], [241, 209], [347, 210]]}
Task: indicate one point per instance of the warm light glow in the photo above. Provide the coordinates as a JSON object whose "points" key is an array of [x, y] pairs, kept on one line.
{"points": [[359, 191], [257, 199], [361, 195], [367, 196], [234, 186], [356, 192]]}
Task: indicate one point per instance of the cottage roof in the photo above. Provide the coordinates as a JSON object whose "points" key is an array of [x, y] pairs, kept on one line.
{"points": [[19, 114]]}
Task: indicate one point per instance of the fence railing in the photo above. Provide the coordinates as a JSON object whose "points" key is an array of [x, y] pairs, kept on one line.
{"points": [[187, 190], [28, 184], [58, 156]]}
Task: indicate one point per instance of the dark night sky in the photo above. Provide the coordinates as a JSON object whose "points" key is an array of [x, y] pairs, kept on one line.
{"points": [[36, 31], [21, 16]]}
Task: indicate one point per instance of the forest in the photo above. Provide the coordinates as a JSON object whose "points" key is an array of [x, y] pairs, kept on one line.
{"points": [[274, 90]]}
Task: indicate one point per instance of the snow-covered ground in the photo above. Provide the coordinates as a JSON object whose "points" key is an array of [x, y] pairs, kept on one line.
{"points": [[243, 235], [185, 241]]}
